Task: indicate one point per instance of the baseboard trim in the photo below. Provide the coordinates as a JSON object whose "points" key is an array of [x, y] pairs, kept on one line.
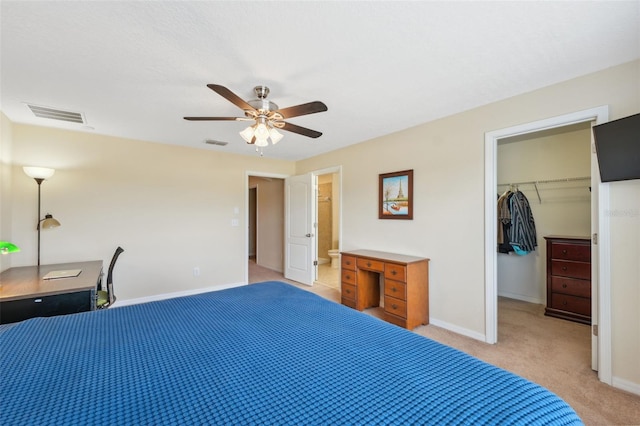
{"points": [[625, 385], [459, 330], [154, 298], [521, 297]]}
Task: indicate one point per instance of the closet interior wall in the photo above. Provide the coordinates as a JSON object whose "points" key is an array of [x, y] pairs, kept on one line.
{"points": [[560, 206]]}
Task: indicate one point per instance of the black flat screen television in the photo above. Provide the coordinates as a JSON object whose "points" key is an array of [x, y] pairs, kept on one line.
{"points": [[618, 148]]}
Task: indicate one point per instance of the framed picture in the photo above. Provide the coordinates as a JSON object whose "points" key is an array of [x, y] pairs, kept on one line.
{"points": [[396, 195]]}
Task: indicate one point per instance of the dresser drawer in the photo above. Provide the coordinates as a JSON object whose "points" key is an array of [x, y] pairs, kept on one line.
{"points": [[395, 289], [348, 277], [395, 306], [567, 268], [348, 292], [565, 302], [370, 265], [579, 253], [395, 272], [581, 288], [348, 262]]}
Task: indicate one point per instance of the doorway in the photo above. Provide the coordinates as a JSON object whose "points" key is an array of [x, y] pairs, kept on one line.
{"points": [[264, 215], [601, 345], [328, 229]]}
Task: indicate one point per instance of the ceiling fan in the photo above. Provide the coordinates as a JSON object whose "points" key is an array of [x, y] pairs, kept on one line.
{"points": [[266, 114]]}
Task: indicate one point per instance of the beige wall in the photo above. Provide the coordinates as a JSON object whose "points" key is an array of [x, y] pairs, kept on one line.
{"points": [[563, 208], [5, 187], [447, 157], [169, 207]]}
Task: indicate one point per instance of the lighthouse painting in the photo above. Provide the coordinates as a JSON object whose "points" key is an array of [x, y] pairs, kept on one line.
{"points": [[396, 195]]}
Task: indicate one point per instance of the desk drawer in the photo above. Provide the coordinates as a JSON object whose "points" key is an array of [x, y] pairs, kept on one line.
{"points": [[46, 306], [395, 306], [348, 292], [348, 276], [567, 268], [395, 289], [348, 262], [371, 265], [395, 272]]}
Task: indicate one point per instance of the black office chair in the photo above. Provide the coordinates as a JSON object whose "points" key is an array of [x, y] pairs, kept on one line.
{"points": [[106, 298]]}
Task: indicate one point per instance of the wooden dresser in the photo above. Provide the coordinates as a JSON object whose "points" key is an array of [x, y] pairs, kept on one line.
{"points": [[405, 280], [569, 278]]}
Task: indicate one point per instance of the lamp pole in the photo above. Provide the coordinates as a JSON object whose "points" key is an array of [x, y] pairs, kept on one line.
{"points": [[39, 180]]}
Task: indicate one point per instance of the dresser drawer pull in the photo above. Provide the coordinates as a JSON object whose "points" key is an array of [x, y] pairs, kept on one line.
{"points": [[348, 276], [564, 286], [369, 264], [348, 291], [394, 306], [564, 251], [564, 303], [394, 272], [564, 268], [348, 262], [393, 289]]}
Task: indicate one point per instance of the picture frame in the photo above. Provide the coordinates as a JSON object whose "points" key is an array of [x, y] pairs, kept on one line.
{"points": [[395, 195]]}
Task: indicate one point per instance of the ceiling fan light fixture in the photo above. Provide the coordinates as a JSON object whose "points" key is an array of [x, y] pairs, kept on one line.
{"points": [[275, 135], [262, 132], [261, 142], [247, 134]]}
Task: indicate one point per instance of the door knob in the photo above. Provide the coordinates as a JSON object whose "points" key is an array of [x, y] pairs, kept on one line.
{"points": [[309, 235]]}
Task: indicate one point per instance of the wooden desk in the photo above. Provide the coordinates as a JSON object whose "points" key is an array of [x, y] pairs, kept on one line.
{"points": [[24, 294], [405, 282]]}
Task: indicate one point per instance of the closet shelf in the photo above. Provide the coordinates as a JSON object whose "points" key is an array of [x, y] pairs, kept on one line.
{"points": [[535, 183]]}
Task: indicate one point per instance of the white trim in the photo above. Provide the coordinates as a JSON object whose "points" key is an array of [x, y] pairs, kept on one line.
{"points": [[600, 115], [626, 385], [155, 298], [456, 329], [315, 174]]}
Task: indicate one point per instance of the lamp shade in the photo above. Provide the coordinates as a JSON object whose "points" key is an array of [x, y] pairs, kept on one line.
{"points": [[7, 247], [39, 172], [49, 222]]}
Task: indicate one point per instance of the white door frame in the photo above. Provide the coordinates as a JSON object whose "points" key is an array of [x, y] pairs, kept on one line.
{"points": [[599, 115]]}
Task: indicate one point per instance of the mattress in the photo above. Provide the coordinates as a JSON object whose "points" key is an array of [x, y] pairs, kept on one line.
{"points": [[266, 353]]}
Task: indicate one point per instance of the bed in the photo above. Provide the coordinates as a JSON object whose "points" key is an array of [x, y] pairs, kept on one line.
{"points": [[267, 353]]}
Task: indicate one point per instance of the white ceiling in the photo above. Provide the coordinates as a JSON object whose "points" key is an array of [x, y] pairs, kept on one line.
{"points": [[135, 68]]}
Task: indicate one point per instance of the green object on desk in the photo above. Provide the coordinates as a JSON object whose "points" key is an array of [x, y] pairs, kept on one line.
{"points": [[7, 247]]}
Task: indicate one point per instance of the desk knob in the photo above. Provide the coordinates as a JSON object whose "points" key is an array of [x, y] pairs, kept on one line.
{"points": [[394, 306], [369, 264]]}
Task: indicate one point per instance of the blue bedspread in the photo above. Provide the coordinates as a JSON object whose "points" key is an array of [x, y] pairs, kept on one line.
{"points": [[266, 353]]}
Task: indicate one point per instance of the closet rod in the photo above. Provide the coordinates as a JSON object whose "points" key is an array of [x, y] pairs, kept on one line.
{"points": [[536, 182], [533, 182]]}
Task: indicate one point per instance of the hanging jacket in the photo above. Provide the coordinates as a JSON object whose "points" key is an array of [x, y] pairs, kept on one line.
{"points": [[523, 227]]}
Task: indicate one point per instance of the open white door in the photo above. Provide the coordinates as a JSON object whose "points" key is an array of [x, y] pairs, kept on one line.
{"points": [[595, 255], [299, 235]]}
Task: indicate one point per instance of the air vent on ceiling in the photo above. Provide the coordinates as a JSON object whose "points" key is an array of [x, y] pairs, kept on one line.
{"points": [[56, 114], [215, 142]]}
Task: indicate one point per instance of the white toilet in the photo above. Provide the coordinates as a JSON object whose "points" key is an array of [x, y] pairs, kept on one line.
{"points": [[334, 254]]}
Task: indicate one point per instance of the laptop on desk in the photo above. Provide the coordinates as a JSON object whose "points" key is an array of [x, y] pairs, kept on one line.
{"points": [[66, 273]]}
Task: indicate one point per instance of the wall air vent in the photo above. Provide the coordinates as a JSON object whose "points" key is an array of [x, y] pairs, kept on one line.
{"points": [[56, 114], [215, 142]]}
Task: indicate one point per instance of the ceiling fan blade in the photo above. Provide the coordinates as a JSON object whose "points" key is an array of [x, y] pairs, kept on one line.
{"points": [[213, 118], [300, 130], [303, 109], [230, 96]]}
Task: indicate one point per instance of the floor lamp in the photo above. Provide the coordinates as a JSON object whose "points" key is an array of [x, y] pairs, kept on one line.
{"points": [[40, 174]]}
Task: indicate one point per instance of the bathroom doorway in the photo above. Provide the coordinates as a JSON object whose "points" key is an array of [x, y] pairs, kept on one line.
{"points": [[328, 227]]}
